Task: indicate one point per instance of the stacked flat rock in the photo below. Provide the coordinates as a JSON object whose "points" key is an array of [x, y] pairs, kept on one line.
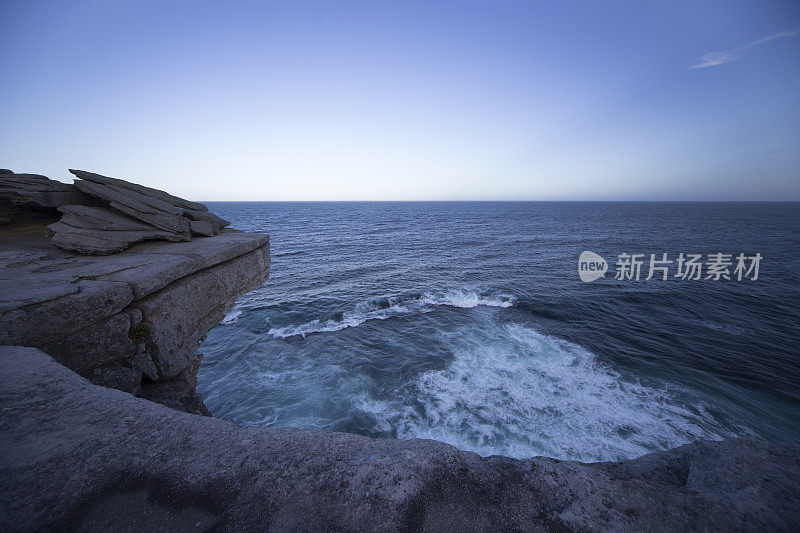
{"points": [[32, 191], [134, 213], [99, 231]]}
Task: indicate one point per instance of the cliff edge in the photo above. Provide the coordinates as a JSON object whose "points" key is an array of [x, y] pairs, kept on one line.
{"points": [[133, 319]]}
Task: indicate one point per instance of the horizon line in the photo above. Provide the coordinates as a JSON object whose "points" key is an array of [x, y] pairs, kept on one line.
{"points": [[515, 201]]}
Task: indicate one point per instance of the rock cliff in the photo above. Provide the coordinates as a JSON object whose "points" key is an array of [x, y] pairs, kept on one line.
{"points": [[132, 320]]}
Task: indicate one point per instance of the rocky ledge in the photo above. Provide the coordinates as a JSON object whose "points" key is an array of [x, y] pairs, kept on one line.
{"points": [[79, 456], [130, 320]]}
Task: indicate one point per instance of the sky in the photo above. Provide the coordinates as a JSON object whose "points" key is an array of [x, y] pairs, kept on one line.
{"points": [[344, 100]]}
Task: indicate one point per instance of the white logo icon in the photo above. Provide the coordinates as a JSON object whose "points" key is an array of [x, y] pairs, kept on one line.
{"points": [[591, 266]]}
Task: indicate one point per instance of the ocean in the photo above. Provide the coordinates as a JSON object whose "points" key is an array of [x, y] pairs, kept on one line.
{"points": [[467, 323]]}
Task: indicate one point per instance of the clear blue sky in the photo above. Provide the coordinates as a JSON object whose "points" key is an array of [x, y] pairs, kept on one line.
{"points": [[408, 100]]}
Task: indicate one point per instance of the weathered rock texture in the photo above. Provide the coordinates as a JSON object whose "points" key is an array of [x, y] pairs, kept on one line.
{"points": [[156, 208], [132, 320], [79, 456], [94, 230], [19, 192], [38, 191], [103, 215], [131, 213]]}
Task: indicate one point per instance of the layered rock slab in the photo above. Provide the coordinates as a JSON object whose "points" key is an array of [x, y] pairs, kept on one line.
{"points": [[145, 309], [79, 456], [20, 192], [35, 190], [151, 211], [130, 213], [98, 231], [104, 215], [149, 205]]}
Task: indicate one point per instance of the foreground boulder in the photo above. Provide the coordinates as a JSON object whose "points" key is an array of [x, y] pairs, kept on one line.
{"points": [[82, 457]]}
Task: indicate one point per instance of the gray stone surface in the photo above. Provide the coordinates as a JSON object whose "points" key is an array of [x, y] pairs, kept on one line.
{"points": [[203, 228], [185, 306], [122, 378], [146, 308], [207, 216], [34, 190], [144, 363], [78, 456], [140, 189], [149, 210], [155, 207], [8, 211], [100, 231]]}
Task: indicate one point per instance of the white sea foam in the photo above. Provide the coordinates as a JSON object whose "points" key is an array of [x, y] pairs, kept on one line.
{"points": [[349, 320], [392, 307], [231, 316], [467, 299], [513, 391]]}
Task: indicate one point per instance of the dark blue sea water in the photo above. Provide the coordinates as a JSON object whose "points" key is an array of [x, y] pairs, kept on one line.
{"points": [[467, 323]]}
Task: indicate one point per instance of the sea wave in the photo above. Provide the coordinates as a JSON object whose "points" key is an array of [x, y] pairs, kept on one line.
{"points": [[467, 299], [513, 391], [383, 308], [231, 317]]}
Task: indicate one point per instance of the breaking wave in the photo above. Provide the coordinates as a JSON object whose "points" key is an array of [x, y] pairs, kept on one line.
{"points": [[467, 299], [231, 317], [383, 308], [513, 391]]}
